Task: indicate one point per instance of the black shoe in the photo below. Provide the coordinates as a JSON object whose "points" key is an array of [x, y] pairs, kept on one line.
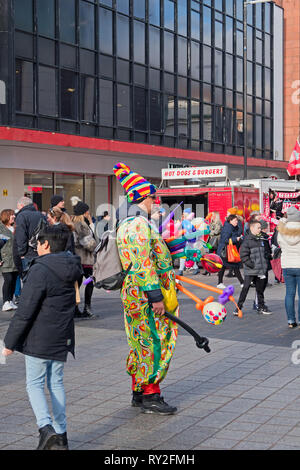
{"points": [[264, 310], [61, 443], [293, 325], [87, 312], [77, 313], [154, 403], [137, 399], [230, 275], [48, 437]]}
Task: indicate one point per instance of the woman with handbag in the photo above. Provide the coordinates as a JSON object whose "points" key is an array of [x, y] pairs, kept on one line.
{"points": [[229, 237]]}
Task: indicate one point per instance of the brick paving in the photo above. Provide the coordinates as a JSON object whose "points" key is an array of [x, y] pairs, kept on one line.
{"points": [[245, 394]]}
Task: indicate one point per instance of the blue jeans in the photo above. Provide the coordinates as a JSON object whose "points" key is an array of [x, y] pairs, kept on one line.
{"points": [[36, 372], [18, 287], [292, 280]]}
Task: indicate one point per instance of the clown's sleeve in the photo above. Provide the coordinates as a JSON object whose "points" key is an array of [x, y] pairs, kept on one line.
{"points": [[135, 246]]}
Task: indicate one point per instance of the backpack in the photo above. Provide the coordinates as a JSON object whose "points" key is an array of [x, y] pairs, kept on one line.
{"points": [[108, 272], [34, 237]]}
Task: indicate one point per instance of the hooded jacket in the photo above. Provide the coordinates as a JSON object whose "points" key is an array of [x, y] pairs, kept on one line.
{"points": [[26, 222], [253, 255], [289, 242], [43, 325]]}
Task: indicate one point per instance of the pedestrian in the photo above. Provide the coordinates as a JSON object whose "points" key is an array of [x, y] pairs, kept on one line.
{"points": [[255, 264], [102, 225], [28, 221], [58, 201], [148, 289], [189, 228], [43, 330], [230, 231], [85, 244], [289, 242], [276, 205], [268, 256], [7, 266], [56, 216]]}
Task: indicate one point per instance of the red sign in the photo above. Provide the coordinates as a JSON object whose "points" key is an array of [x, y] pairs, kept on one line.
{"points": [[220, 201], [35, 189]]}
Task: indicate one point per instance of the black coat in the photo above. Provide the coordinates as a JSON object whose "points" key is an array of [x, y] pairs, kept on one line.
{"points": [[26, 222], [43, 325], [228, 231], [253, 255]]}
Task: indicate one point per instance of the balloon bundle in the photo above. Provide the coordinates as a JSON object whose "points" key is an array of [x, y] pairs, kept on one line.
{"points": [[214, 312]]}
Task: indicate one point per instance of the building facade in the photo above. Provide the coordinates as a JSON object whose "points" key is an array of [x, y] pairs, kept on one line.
{"points": [[84, 84]]}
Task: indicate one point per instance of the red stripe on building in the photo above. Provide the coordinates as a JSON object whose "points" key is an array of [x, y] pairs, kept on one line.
{"points": [[92, 143]]}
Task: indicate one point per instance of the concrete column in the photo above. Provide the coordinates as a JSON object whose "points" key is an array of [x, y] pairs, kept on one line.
{"points": [[11, 188]]}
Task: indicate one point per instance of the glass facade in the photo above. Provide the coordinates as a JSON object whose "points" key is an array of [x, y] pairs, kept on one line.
{"points": [[163, 72]]}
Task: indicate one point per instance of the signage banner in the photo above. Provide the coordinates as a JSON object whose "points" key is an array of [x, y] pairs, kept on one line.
{"points": [[288, 195], [201, 172]]}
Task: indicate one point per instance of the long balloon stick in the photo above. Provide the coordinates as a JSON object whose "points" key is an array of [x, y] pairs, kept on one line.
{"points": [[199, 302], [211, 288], [167, 219]]}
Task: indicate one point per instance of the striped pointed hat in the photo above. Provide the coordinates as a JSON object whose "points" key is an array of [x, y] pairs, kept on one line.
{"points": [[135, 185]]}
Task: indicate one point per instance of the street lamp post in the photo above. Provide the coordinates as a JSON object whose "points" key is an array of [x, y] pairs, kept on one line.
{"points": [[246, 3]]}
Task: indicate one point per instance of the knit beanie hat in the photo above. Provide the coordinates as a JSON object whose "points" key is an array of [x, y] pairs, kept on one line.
{"points": [[293, 215], [263, 224], [79, 207], [135, 185], [56, 199]]}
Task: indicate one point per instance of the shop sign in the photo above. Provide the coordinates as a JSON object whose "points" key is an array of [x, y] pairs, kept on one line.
{"points": [[35, 189], [195, 172]]}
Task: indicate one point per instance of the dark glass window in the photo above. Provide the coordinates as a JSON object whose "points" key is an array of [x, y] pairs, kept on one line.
{"points": [[24, 45], [154, 47], [47, 100], [123, 105], [46, 51], [87, 61], [218, 34], [68, 56], [182, 17], [24, 86], [182, 53], [218, 68], [195, 25], [169, 51], [155, 111], [154, 12], [139, 8], [169, 14], [105, 31], [123, 6], [206, 64], [123, 71], [139, 42], [106, 66], [88, 101], [140, 75], [195, 60], [68, 94], [24, 14], [154, 79], [207, 122], [123, 36], [206, 25], [87, 25], [67, 24], [195, 120], [45, 10], [106, 103], [140, 121], [169, 114]]}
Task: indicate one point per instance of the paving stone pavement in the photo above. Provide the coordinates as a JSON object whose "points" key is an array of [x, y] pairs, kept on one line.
{"points": [[244, 394]]}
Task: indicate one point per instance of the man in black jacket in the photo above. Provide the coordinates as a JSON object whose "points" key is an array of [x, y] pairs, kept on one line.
{"points": [[253, 256], [43, 330], [27, 222]]}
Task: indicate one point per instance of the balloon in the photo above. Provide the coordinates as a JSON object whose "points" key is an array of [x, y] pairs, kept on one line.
{"points": [[189, 264], [214, 313], [212, 263]]}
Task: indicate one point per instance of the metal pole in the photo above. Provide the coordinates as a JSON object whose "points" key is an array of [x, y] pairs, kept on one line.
{"points": [[245, 93]]}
